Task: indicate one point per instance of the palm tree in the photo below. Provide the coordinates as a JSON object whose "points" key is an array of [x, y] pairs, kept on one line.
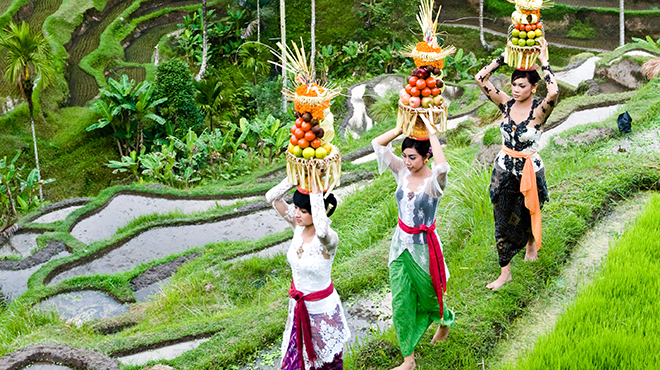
{"points": [[205, 44], [208, 92], [28, 60], [283, 32], [622, 24], [481, 27]]}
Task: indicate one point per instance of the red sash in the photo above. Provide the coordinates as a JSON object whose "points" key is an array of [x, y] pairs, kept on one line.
{"points": [[301, 316], [437, 263]]}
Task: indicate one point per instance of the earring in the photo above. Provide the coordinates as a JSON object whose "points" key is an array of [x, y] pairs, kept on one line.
{"points": [[534, 91], [426, 161]]}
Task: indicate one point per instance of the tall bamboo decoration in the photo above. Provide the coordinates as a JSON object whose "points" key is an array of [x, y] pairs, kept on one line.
{"points": [[313, 56]]}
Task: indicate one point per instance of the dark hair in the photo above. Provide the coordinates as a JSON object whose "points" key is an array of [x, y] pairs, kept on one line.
{"points": [[302, 201], [423, 147], [531, 76]]}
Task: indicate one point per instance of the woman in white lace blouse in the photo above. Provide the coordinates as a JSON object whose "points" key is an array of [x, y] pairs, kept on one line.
{"points": [[418, 273], [316, 328]]}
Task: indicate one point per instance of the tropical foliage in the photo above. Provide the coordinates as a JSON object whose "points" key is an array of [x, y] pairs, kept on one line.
{"points": [[17, 190], [128, 109]]}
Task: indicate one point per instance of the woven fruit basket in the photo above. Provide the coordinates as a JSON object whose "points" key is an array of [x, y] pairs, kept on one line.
{"points": [[410, 119], [324, 173]]}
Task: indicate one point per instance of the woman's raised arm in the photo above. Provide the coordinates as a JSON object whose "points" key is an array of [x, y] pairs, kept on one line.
{"points": [[550, 101], [493, 93], [275, 197]]}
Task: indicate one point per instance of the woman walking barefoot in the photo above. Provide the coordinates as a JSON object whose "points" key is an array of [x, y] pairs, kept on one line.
{"points": [[518, 188], [418, 273], [316, 328]]}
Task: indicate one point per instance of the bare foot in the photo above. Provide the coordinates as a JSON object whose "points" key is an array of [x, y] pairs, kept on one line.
{"points": [[408, 363], [504, 278], [530, 251], [441, 334]]}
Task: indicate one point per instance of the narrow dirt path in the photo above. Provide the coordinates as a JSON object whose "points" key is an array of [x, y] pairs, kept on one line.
{"points": [[588, 257]]}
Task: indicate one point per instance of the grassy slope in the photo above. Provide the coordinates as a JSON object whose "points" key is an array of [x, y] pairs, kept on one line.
{"points": [[582, 184], [613, 323], [582, 181]]}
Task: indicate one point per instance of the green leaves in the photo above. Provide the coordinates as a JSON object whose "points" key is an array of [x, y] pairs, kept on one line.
{"points": [[128, 109]]}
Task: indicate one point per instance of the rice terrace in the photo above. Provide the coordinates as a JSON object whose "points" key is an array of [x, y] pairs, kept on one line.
{"points": [[142, 143]]}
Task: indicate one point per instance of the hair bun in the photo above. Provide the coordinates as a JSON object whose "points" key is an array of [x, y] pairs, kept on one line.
{"points": [[330, 204]]}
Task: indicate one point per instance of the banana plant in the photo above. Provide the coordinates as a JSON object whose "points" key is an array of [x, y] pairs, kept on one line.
{"points": [[126, 164], [275, 136]]}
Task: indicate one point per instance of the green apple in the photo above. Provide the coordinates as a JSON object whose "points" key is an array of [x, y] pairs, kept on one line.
{"points": [[321, 153], [297, 151], [515, 33], [308, 152], [531, 42], [515, 40], [539, 33], [522, 42], [523, 35]]}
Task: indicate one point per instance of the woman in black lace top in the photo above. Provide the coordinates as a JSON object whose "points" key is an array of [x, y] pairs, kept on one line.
{"points": [[523, 117]]}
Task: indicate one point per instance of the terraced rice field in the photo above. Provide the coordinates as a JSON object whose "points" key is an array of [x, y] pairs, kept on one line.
{"points": [[141, 50], [36, 12], [156, 5], [82, 86]]}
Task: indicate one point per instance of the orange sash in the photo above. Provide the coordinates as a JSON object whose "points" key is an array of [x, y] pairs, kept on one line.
{"points": [[529, 189]]}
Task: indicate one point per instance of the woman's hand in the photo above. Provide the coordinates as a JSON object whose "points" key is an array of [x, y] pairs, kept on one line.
{"points": [[429, 126], [543, 56]]}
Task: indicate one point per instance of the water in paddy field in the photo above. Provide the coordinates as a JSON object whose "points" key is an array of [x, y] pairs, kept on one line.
{"points": [[83, 306], [161, 242]]}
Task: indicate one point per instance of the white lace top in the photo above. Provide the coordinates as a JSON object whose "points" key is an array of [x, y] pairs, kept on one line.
{"points": [[416, 206], [311, 264]]}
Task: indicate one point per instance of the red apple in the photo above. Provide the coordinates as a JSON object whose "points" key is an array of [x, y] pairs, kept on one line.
{"points": [[438, 100], [415, 102], [405, 99]]}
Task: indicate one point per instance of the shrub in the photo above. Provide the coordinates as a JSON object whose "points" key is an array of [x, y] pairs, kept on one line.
{"points": [[174, 82]]}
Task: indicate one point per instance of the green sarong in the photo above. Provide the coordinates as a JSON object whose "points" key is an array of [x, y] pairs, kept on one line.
{"points": [[414, 302]]}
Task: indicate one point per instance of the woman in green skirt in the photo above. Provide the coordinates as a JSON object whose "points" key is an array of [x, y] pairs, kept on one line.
{"points": [[418, 273]]}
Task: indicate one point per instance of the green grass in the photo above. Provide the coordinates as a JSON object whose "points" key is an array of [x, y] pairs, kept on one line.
{"points": [[612, 324], [583, 183]]}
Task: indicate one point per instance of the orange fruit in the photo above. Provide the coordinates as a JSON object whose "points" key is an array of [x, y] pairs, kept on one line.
{"points": [[299, 122], [315, 143], [306, 126], [309, 136], [299, 133], [294, 140], [303, 143]]}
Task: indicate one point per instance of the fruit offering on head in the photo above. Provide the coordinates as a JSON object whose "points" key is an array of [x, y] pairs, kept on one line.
{"points": [[425, 81], [421, 95], [525, 33]]}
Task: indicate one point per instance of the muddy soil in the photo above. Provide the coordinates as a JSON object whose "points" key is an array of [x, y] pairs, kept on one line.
{"points": [[70, 357]]}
